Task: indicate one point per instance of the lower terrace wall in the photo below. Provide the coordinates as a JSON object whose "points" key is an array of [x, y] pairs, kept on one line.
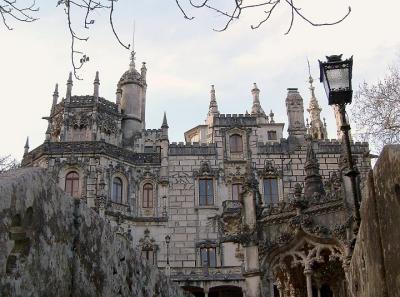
{"points": [[53, 245], [375, 265]]}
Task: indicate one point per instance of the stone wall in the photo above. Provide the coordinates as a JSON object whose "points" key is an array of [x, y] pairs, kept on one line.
{"points": [[53, 245], [374, 269]]}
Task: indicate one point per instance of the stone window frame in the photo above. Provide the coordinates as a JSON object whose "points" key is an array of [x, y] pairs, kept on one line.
{"points": [[62, 176], [236, 156], [208, 244], [205, 172], [270, 171], [268, 135], [230, 181], [147, 211], [124, 180]]}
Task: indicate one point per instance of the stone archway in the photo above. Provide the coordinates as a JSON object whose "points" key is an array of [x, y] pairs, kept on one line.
{"points": [[308, 266], [225, 291], [195, 291]]}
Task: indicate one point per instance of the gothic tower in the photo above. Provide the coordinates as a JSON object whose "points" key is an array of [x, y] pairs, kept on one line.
{"points": [[131, 92]]}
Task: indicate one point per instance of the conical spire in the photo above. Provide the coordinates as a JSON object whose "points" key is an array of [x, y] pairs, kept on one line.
{"points": [[313, 180], [26, 147], [69, 87], [213, 108], [96, 85], [164, 122], [256, 109]]}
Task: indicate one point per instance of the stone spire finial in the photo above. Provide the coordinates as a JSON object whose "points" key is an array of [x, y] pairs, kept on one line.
{"points": [[271, 117], [55, 98], [118, 94], [96, 85], [256, 109], [313, 180], [164, 122], [317, 130], [26, 147], [213, 108], [143, 70], [69, 87]]}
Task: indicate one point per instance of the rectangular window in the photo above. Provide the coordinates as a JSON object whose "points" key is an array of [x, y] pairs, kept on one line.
{"points": [[206, 192], [149, 255], [272, 135], [236, 190], [271, 196], [208, 257]]}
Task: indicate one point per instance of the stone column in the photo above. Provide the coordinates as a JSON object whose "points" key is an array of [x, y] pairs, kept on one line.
{"points": [[308, 273], [252, 269], [271, 287], [205, 292]]}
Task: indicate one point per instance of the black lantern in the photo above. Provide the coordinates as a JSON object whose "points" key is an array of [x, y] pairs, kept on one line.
{"points": [[167, 241], [336, 75]]}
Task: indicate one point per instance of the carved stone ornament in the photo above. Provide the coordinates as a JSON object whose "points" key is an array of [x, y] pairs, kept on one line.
{"points": [[269, 170], [147, 243], [206, 170], [107, 123], [80, 120]]}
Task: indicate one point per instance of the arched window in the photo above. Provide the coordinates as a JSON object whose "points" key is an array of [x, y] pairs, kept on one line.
{"points": [[148, 195], [116, 190], [236, 143], [72, 183]]}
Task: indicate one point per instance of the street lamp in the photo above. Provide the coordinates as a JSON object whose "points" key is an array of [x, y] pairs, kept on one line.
{"points": [[167, 241], [336, 76]]}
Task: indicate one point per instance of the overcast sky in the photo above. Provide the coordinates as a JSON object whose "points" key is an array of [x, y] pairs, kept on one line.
{"points": [[185, 57]]}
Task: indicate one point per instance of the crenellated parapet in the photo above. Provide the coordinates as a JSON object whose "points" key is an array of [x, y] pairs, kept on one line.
{"points": [[188, 149]]}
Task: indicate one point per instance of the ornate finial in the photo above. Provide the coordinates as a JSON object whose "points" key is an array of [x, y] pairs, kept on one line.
{"points": [[143, 70], [55, 99], [310, 79], [164, 122], [271, 117]]}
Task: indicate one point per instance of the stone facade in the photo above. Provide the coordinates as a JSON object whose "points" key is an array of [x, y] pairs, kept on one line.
{"points": [[230, 199], [52, 245]]}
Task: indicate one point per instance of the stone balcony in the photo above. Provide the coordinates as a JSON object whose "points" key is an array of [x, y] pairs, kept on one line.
{"points": [[231, 206], [206, 273]]}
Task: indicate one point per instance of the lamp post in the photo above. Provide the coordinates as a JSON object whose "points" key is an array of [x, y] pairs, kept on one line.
{"points": [[167, 241], [336, 76]]}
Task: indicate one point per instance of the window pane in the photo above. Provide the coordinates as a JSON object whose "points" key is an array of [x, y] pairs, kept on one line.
{"points": [[271, 195], [212, 257], [274, 190], [202, 192], [148, 195], [204, 257], [72, 184], [236, 143], [210, 192]]}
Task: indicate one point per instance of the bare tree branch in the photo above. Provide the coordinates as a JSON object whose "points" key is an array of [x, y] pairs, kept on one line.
{"points": [[10, 10], [7, 163], [239, 6], [376, 110]]}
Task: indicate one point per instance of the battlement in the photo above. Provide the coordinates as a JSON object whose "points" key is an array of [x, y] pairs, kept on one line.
{"points": [[190, 149], [235, 120], [152, 132]]}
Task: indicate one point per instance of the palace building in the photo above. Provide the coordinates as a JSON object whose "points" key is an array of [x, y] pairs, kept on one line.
{"points": [[237, 210]]}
